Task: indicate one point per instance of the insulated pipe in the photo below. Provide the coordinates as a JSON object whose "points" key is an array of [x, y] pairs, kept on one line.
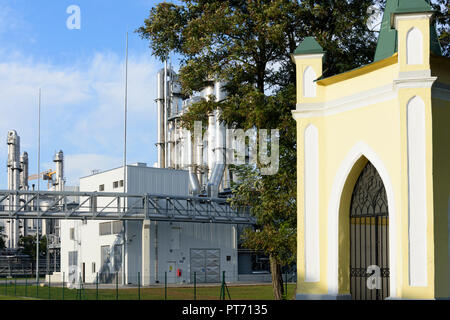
{"points": [[59, 160], [161, 120], [211, 143], [14, 169], [220, 143], [193, 179], [24, 185]]}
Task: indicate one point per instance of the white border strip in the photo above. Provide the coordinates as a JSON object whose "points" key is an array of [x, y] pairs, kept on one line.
{"points": [[359, 150]]}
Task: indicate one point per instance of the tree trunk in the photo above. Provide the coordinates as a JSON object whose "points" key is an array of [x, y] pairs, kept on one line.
{"points": [[277, 279]]}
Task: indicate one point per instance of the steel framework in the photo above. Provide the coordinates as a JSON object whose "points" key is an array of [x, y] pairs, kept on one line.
{"points": [[119, 206]]}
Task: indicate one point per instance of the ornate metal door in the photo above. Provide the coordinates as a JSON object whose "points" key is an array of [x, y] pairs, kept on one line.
{"points": [[369, 237]]}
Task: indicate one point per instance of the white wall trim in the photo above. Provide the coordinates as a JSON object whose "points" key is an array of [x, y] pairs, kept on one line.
{"points": [[311, 203], [351, 102], [414, 47], [359, 150], [308, 56], [410, 16], [370, 97], [417, 193], [309, 86]]}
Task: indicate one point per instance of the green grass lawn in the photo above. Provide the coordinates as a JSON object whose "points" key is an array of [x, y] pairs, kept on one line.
{"points": [[247, 292]]}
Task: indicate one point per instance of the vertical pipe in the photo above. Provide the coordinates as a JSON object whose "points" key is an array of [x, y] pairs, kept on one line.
{"points": [[15, 286], [96, 287], [165, 116], [49, 287], [161, 119], [26, 286], [124, 280], [38, 186], [63, 284]]}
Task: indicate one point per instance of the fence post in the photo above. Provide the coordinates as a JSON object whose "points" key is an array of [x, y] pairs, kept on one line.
{"points": [[63, 286], [117, 286], [165, 285], [26, 286], [37, 286], [49, 286], [96, 287], [195, 285], [15, 286], [139, 286]]}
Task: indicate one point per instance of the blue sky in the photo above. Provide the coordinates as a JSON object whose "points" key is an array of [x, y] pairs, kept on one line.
{"points": [[81, 73]]}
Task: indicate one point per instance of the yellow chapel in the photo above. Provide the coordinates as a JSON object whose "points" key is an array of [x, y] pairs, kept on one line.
{"points": [[373, 167]]}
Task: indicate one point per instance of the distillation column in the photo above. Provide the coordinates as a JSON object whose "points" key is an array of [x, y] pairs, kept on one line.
{"points": [[14, 169], [24, 186]]}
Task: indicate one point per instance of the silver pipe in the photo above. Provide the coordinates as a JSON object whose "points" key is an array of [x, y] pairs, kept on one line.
{"points": [[24, 186], [161, 120], [59, 160], [219, 150], [165, 115], [38, 186]]}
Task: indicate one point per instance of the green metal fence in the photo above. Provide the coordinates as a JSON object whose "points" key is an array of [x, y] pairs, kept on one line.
{"points": [[18, 288]]}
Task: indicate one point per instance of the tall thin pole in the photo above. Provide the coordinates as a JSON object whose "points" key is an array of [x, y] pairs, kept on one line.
{"points": [[38, 185], [125, 164]]}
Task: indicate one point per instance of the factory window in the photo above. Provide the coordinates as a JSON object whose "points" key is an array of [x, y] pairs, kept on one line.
{"points": [[93, 267], [72, 233], [121, 183], [115, 184], [105, 228], [117, 227], [73, 258], [101, 187]]}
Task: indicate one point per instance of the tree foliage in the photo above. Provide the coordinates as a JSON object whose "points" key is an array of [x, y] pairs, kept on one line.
{"points": [[28, 245]]}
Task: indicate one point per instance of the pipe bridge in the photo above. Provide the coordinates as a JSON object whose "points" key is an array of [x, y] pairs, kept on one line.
{"points": [[118, 206]]}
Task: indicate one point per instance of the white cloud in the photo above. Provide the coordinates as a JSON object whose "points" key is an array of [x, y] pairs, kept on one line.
{"points": [[82, 110]]}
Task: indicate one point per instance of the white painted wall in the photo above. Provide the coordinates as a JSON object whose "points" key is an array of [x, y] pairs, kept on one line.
{"points": [[414, 47], [417, 214], [88, 242], [312, 264]]}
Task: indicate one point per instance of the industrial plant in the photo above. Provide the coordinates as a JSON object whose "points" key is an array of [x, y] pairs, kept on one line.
{"points": [[138, 223]]}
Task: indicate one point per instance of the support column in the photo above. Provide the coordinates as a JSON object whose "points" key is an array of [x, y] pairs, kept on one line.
{"points": [[145, 274]]}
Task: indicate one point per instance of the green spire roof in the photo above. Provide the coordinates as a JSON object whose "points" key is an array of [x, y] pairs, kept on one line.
{"points": [[408, 6], [387, 40], [309, 46]]}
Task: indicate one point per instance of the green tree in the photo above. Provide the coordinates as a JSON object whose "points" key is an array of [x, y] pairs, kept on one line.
{"points": [[28, 245], [248, 45]]}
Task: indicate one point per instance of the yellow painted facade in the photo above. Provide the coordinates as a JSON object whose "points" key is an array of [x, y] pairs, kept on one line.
{"points": [[361, 116]]}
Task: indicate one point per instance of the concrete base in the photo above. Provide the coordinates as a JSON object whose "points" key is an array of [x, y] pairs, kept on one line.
{"points": [[322, 297], [55, 277]]}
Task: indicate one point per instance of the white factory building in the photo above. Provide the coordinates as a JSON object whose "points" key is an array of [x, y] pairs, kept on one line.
{"points": [[149, 248]]}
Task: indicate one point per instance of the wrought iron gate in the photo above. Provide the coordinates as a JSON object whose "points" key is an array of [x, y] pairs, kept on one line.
{"points": [[369, 237]]}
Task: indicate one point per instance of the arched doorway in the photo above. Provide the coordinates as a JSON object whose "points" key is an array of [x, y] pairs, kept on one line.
{"points": [[369, 237]]}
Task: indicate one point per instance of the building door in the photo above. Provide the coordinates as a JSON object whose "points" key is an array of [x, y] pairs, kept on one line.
{"points": [[205, 264], [369, 237]]}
